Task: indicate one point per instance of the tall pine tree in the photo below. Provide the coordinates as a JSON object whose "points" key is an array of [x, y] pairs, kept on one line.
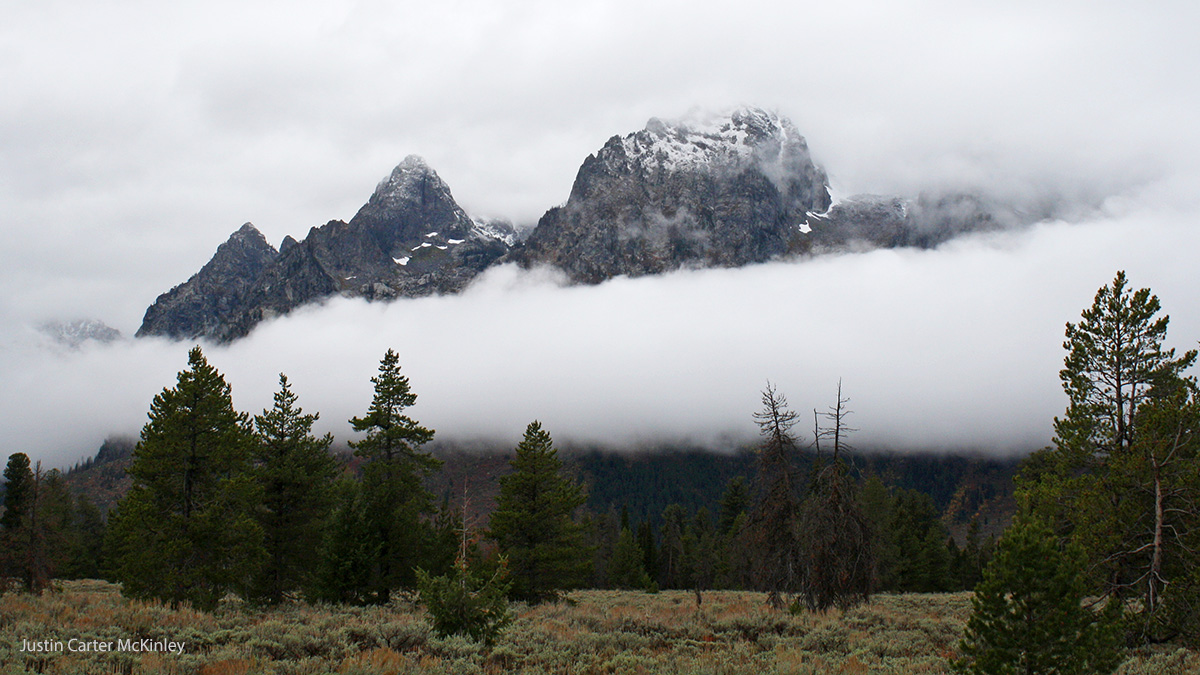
{"points": [[393, 497], [533, 523], [296, 473], [1120, 480], [185, 531]]}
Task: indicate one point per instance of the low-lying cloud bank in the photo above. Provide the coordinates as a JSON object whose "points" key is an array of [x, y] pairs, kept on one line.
{"points": [[952, 349]]}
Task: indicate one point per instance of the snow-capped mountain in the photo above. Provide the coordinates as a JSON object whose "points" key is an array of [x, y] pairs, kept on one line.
{"points": [[76, 332], [702, 191], [705, 191]]}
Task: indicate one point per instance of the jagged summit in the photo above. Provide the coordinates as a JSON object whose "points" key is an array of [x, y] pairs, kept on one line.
{"points": [[410, 239], [399, 184], [704, 190], [721, 191], [248, 235], [213, 297], [703, 141]]}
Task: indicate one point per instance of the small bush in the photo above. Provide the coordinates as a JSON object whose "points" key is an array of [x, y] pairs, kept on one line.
{"points": [[465, 604]]}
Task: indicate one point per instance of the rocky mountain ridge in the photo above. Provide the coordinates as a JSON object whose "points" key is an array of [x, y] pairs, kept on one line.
{"points": [[410, 239], [704, 191], [722, 192]]}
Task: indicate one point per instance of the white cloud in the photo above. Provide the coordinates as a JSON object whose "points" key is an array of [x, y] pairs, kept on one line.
{"points": [[956, 348], [137, 137]]}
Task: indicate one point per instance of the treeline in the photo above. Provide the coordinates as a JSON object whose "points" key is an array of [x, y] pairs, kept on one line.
{"points": [[46, 532], [644, 483], [688, 549], [224, 502]]}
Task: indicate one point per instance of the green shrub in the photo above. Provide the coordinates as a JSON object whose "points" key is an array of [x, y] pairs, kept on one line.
{"points": [[464, 604]]}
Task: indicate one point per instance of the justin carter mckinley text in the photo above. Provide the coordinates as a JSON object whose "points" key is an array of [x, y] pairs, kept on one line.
{"points": [[77, 645]]}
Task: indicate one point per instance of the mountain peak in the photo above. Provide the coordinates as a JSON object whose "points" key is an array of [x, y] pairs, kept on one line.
{"points": [[74, 333], [705, 141], [406, 179], [249, 234]]}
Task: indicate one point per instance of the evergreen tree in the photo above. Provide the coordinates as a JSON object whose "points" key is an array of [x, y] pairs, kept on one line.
{"points": [[532, 523], [734, 503], [185, 531], [839, 551], [14, 523], [625, 570], [1028, 617], [18, 486], [50, 527], [394, 498], [701, 549], [877, 507], [85, 547], [296, 473], [34, 529], [674, 551], [645, 539], [466, 602], [1120, 479], [349, 553], [1115, 361]]}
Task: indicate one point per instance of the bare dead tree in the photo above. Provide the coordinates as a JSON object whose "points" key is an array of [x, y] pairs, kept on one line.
{"points": [[838, 429], [839, 559], [772, 535]]}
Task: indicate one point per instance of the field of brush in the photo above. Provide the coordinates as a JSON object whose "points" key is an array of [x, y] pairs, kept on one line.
{"points": [[596, 632]]}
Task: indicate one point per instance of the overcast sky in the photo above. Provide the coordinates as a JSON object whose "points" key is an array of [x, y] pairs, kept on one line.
{"points": [[136, 136]]}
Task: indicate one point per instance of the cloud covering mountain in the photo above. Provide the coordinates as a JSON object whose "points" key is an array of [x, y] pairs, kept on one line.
{"points": [[161, 129]]}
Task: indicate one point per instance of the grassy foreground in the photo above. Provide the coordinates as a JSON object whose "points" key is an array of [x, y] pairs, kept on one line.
{"points": [[603, 632]]}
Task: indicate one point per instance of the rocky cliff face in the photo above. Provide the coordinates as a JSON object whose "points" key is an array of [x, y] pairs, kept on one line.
{"points": [[722, 191], [409, 239], [216, 295]]}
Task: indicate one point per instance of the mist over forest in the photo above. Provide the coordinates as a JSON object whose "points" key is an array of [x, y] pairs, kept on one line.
{"points": [[956, 348]]}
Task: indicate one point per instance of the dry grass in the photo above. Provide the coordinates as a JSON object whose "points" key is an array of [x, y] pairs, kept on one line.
{"points": [[599, 632]]}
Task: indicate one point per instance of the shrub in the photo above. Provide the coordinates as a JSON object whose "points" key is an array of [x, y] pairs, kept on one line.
{"points": [[1028, 615], [465, 604]]}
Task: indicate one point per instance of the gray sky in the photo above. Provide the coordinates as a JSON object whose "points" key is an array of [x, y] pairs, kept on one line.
{"points": [[136, 136]]}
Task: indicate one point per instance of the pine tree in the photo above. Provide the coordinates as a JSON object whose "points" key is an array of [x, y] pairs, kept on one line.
{"points": [[18, 483], [734, 503], [532, 523], [14, 527], [50, 527], [393, 496], [839, 552], [1119, 480], [85, 552], [626, 570], [349, 553], [1028, 617], [466, 602], [34, 527], [674, 551], [1115, 361], [296, 473], [645, 540], [185, 531]]}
